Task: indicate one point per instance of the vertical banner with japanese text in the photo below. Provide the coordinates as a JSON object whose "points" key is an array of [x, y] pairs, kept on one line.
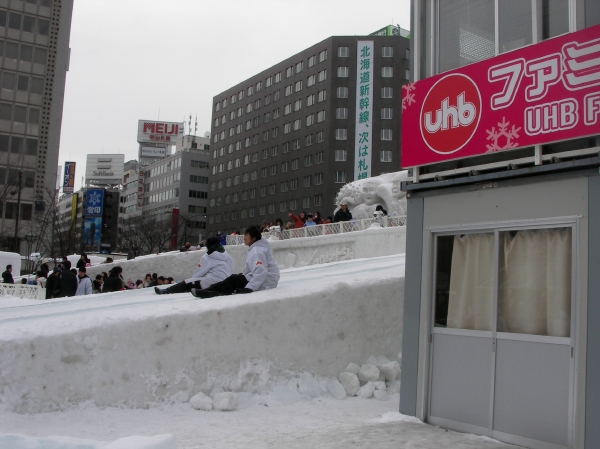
{"points": [[364, 110], [69, 177]]}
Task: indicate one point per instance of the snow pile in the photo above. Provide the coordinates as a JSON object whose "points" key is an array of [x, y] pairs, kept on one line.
{"points": [[138, 349], [9, 441]]}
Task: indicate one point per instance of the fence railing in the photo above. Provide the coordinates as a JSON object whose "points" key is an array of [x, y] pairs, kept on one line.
{"points": [[23, 291], [326, 229]]}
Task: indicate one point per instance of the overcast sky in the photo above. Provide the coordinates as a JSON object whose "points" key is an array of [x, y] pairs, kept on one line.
{"points": [[132, 58]]}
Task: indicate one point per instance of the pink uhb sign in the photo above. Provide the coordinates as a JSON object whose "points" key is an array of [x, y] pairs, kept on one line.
{"points": [[538, 94]]}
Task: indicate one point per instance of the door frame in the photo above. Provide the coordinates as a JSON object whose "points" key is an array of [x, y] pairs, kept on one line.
{"points": [[497, 227]]}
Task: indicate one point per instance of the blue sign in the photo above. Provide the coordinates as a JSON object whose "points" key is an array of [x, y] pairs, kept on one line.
{"points": [[94, 201], [92, 227]]}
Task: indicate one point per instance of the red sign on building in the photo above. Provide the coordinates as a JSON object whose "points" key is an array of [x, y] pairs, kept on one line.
{"points": [[547, 92]]}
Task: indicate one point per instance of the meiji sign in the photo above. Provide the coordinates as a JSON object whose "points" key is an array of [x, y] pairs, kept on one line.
{"points": [[539, 94], [166, 132]]}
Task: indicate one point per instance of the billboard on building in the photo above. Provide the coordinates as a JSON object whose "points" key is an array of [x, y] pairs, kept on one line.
{"points": [[69, 177], [159, 132], [543, 93], [104, 169], [73, 207], [391, 30], [140, 189], [92, 227], [94, 202], [153, 151], [363, 138]]}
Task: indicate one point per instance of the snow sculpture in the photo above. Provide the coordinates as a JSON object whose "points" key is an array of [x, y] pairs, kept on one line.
{"points": [[363, 196]]}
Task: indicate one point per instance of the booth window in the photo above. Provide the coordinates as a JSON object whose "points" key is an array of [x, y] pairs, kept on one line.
{"points": [[534, 282]]}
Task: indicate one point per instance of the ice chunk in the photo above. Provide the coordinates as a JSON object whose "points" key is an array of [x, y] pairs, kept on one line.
{"points": [[377, 361], [368, 373], [201, 402], [245, 400], [350, 383], [308, 385], [366, 391], [285, 395], [215, 391], [225, 402], [393, 387], [379, 385], [390, 370], [352, 368], [335, 388], [380, 394]]}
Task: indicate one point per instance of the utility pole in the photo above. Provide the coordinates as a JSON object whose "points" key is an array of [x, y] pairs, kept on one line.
{"points": [[16, 247]]}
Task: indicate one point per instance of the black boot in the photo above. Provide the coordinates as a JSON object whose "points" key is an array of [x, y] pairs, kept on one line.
{"points": [[159, 291], [199, 293]]}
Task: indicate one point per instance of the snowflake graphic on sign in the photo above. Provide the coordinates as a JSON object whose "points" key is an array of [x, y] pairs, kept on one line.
{"points": [[409, 96], [503, 138], [95, 198]]}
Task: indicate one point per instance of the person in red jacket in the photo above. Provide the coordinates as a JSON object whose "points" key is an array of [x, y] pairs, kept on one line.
{"points": [[299, 220]]}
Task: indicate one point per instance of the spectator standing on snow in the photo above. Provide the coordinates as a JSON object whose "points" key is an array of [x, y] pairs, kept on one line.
{"points": [[97, 284], [309, 220], [66, 284], [343, 214], [113, 283], [85, 283], [215, 266], [147, 280], [222, 238], [83, 262], [40, 279], [7, 277], [260, 270], [154, 281], [51, 282], [380, 208], [299, 220]]}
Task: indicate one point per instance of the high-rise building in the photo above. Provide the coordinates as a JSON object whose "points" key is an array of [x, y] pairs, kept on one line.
{"points": [[34, 59], [286, 139]]}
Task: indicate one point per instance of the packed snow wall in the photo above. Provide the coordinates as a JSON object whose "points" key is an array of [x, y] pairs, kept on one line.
{"points": [[293, 253], [137, 349]]}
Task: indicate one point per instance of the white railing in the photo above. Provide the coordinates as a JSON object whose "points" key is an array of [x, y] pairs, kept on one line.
{"points": [[23, 291], [326, 229]]}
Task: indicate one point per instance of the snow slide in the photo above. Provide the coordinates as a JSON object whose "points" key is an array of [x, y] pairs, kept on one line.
{"points": [[138, 349]]}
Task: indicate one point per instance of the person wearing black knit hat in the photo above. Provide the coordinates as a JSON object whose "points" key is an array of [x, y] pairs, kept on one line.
{"points": [[215, 266]]}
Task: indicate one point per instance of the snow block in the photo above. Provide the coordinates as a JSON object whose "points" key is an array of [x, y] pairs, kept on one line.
{"points": [[367, 390], [352, 368], [380, 395], [390, 371], [166, 441], [335, 388], [350, 383], [368, 373], [309, 386], [379, 385], [393, 387], [225, 402], [202, 402], [378, 361]]}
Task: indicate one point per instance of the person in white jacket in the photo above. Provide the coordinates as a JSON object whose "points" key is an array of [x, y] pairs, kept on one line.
{"points": [[84, 283], [215, 266], [260, 270]]}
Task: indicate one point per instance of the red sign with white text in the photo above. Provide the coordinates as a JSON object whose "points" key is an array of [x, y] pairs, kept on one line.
{"points": [[547, 92]]}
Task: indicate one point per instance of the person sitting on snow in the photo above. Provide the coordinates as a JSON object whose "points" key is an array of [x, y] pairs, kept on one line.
{"points": [[215, 266], [260, 271]]}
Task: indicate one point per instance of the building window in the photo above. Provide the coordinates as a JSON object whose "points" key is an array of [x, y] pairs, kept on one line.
{"points": [[258, 86], [251, 212], [243, 213], [340, 155], [341, 113], [199, 179], [321, 96], [387, 92], [319, 157], [296, 144], [269, 81], [252, 194], [249, 107], [277, 77], [253, 175], [386, 113], [274, 132], [286, 147], [322, 76], [299, 66], [312, 61], [284, 167], [385, 156], [274, 151], [289, 72], [306, 181], [265, 153], [272, 208], [199, 164], [295, 164], [276, 95], [341, 134], [387, 72], [255, 157], [407, 74], [263, 191], [276, 114], [306, 202], [343, 72], [308, 140], [310, 100], [297, 105], [250, 90], [318, 179], [340, 177], [386, 134], [257, 104], [268, 100], [311, 80], [284, 186], [248, 125], [323, 56], [218, 106], [343, 52], [283, 206], [387, 52], [320, 116], [320, 137], [265, 135], [287, 109], [236, 180], [298, 86], [342, 92], [287, 128], [308, 160], [310, 119], [264, 172], [198, 194], [289, 90], [233, 99], [245, 177], [318, 200], [267, 117], [297, 124], [262, 210], [273, 170]]}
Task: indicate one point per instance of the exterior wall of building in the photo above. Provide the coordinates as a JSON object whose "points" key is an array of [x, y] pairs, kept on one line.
{"points": [[259, 169], [35, 42]]}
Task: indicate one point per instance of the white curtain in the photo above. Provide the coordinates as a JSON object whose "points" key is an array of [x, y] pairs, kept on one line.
{"points": [[535, 282], [472, 282]]}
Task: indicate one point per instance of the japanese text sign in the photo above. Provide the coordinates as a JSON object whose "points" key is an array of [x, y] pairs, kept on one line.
{"points": [[547, 92], [161, 132], [69, 177], [94, 201], [363, 138]]}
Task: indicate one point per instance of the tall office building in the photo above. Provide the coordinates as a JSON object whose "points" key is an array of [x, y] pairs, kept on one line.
{"points": [[286, 139], [34, 59]]}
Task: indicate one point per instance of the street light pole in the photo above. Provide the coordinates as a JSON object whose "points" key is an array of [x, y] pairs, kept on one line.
{"points": [[16, 242]]}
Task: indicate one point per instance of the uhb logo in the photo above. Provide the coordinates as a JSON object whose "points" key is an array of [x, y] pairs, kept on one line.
{"points": [[450, 113]]}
